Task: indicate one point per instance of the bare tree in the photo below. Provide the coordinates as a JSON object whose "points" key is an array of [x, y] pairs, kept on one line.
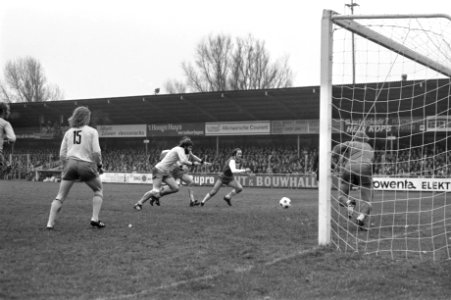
{"points": [[175, 87], [252, 69], [25, 81], [212, 65], [220, 64]]}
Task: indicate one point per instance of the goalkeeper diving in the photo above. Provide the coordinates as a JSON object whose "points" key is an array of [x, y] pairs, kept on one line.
{"points": [[356, 167]]}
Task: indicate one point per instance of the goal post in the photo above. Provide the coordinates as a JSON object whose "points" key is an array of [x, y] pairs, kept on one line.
{"points": [[325, 131], [389, 76]]}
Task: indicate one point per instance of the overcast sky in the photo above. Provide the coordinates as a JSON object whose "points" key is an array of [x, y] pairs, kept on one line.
{"points": [[111, 48]]}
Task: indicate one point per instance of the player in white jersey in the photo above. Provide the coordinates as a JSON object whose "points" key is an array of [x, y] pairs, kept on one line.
{"points": [[82, 161], [163, 172], [6, 135], [180, 174], [356, 167]]}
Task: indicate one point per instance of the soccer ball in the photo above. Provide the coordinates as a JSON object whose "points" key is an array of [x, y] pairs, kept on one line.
{"points": [[285, 202]]}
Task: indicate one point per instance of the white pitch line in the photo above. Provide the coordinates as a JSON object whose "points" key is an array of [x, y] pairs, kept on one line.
{"points": [[205, 277]]}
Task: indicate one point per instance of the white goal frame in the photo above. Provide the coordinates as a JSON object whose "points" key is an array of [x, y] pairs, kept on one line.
{"points": [[348, 22]]}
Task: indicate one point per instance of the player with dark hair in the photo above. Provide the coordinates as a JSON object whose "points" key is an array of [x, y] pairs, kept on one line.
{"points": [[227, 178], [163, 172], [6, 135], [82, 161], [181, 175], [356, 168]]}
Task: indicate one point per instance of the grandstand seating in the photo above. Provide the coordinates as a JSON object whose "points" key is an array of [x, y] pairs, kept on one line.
{"points": [[261, 159]]}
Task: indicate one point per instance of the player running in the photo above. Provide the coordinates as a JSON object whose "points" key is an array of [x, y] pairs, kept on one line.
{"points": [[82, 161], [357, 168], [6, 135], [227, 178], [180, 175], [163, 172]]}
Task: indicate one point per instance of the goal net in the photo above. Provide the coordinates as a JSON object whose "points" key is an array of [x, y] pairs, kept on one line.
{"points": [[388, 76]]}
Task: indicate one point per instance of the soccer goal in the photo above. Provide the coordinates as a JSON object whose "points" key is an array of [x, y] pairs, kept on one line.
{"points": [[389, 75]]}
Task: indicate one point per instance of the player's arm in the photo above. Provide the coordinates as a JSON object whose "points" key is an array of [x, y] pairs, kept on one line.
{"points": [[9, 133], [199, 160], [232, 166], [336, 152], [183, 159]]}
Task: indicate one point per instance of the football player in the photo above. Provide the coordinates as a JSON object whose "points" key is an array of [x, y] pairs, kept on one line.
{"points": [[227, 178], [163, 172], [356, 168], [181, 175], [6, 135], [82, 161]]}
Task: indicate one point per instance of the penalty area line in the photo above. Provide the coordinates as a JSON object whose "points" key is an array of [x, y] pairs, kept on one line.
{"points": [[206, 277]]}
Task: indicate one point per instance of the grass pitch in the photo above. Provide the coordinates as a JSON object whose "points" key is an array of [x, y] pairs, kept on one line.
{"points": [[252, 250]]}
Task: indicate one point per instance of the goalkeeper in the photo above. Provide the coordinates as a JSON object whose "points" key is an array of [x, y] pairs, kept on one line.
{"points": [[356, 169]]}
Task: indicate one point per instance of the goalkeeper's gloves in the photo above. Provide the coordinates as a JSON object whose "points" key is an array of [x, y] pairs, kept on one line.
{"points": [[100, 169]]}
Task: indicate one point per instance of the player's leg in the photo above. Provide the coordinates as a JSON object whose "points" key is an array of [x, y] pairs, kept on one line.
{"points": [[172, 186], [189, 182], [212, 192], [165, 188], [157, 179], [5, 167], [69, 175], [57, 203], [344, 186], [366, 194], [237, 188], [147, 195], [96, 186], [2, 165]]}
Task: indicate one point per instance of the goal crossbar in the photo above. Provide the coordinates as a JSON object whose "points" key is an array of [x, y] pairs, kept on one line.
{"points": [[348, 23]]}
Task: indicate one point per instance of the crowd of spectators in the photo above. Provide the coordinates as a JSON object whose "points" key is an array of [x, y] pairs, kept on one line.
{"points": [[414, 162], [408, 162], [261, 159]]}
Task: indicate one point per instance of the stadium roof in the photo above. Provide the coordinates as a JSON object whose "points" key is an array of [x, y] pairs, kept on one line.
{"points": [[297, 103], [269, 104]]}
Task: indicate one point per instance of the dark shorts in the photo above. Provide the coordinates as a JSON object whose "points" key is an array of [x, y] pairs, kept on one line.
{"points": [[3, 165], [2, 162], [360, 176], [226, 179], [79, 170]]}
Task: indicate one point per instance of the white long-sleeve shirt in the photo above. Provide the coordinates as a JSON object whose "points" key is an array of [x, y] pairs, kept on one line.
{"points": [[173, 158]]}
